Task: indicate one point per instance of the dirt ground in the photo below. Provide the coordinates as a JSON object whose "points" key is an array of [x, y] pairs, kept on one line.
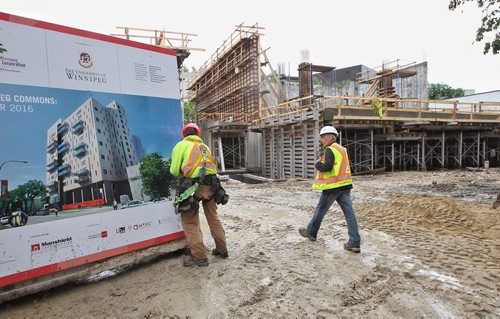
{"points": [[430, 248]]}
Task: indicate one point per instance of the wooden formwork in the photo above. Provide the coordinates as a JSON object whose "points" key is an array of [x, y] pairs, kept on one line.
{"points": [[455, 136], [226, 88], [288, 149]]}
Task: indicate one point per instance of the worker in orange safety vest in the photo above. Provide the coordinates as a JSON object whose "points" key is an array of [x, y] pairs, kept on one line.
{"points": [[193, 163], [333, 178]]}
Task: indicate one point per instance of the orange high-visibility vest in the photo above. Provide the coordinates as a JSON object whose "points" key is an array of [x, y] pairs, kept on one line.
{"points": [[339, 176], [197, 159]]}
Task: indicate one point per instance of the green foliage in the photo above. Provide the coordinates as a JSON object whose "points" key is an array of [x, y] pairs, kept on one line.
{"points": [[22, 196], [156, 178], [489, 22], [189, 112], [441, 91]]}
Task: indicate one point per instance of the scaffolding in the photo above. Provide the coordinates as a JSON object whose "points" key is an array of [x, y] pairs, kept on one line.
{"points": [[448, 135], [281, 141], [177, 41]]}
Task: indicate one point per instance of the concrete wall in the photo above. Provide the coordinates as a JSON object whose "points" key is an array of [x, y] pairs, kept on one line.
{"points": [[413, 87], [253, 150]]}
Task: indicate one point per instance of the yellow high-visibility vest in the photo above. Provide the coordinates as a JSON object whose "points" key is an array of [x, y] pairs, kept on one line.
{"points": [[339, 176], [190, 155]]}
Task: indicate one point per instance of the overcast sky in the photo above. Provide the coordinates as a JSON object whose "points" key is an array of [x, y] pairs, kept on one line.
{"points": [[336, 33]]}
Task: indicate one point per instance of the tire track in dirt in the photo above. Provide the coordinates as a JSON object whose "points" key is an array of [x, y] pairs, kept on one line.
{"points": [[457, 237]]}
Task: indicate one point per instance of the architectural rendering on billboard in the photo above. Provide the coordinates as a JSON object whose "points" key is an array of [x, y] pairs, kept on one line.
{"points": [[80, 110]]}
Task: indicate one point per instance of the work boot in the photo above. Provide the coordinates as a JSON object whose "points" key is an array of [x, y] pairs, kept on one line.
{"points": [[223, 255], [304, 233], [191, 261], [353, 249]]}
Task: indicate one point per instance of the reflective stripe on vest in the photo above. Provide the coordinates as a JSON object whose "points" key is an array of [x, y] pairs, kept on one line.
{"points": [[340, 175], [195, 160]]}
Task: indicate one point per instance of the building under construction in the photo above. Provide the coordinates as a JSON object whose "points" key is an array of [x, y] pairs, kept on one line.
{"points": [[254, 122]]}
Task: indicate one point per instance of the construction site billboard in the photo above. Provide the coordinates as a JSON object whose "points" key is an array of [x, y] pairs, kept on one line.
{"points": [[79, 113]]}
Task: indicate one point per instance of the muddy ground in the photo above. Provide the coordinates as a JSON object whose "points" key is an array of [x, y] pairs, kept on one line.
{"points": [[431, 248]]}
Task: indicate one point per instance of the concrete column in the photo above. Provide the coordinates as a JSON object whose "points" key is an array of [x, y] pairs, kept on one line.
{"points": [[221, 154]]}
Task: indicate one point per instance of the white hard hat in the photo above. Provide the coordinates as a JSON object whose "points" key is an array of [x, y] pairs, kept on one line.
{"points": [[328, 130]]}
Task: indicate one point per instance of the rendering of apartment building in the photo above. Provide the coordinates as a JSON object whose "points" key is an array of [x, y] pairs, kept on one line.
{"points": [[88, 154]]}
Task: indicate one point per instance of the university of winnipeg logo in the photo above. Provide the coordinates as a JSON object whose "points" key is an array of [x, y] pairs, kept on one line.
{"points": [[85, 60]]}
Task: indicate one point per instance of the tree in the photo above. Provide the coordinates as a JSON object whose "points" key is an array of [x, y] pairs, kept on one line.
{"points": [[489, 23], [32, 189], [441, 91], [156, 178], [23, 195], [189, 112]]}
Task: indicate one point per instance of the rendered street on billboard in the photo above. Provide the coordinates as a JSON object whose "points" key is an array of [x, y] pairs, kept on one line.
{"points": [[71, 214]]}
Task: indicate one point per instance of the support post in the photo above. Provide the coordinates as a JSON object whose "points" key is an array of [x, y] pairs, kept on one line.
{"points": [[460, 145], [423, 154], [221, 154], [371, 151], [304, 150], [443, 145], [292, 150], [478, 148], [272, 151], [392, 157]]}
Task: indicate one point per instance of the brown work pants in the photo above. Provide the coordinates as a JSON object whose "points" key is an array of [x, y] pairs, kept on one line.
{"points": [[191, 224]]}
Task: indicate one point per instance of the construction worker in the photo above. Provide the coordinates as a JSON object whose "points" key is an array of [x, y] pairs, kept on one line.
{"points": [[193, 163], [333, 178], [378, 107]]}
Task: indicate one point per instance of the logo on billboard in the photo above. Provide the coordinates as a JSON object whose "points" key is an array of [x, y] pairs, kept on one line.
{"points": [[85, 60], [49, 245], [139, 226], [102, 234], [2, 49], [120, 230], [162, 221], [4, 188], [8, 63]]}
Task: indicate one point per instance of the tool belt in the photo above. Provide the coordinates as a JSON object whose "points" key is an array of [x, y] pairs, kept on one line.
{"points": [[191, 203]]}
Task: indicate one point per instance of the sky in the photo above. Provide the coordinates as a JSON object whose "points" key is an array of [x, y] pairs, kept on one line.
{"points": [[336, 33], [155, 121]]}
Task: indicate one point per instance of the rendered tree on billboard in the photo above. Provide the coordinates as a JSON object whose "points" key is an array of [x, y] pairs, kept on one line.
{"points": [[23, 195], [32, 189], [156, 177]]}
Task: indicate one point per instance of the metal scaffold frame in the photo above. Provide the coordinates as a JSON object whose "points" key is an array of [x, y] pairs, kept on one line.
{"points": [[359, 144], [402, 134], [421, 138]]}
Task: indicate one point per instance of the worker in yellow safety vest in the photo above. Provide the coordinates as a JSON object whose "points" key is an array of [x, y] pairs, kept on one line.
{"points": [[378, 107], [192, 163], [333, 178]]}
